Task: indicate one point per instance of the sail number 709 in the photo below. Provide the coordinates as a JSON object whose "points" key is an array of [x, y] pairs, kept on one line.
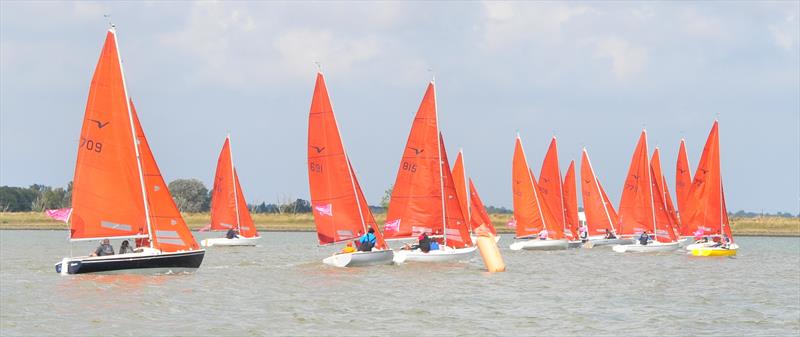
{"points": [[91, 145]]}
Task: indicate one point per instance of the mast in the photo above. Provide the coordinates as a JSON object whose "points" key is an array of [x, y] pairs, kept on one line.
{"points": [[650, 184], [113, 31], [233, 181], [439, 160], [597, 185], [535, 186]]}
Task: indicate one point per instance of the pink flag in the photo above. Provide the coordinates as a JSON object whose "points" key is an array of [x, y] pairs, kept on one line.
{"points": [[61, 214], [205, 228], [325, 209], [392, 226], [512, 223]]}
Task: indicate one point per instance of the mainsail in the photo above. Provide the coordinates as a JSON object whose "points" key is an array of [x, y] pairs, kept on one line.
{"points": [[600, 214], [228, 205]]}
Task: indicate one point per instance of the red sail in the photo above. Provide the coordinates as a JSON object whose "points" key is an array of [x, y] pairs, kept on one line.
{"points": [[246, 226], [340, 211], [572, 223], [107, 193], [600, 214], [636, 206], [552, 192], [228, 205], [683, 180], [666, 227], [460, 181], [457, 228], [706, 208], [416, 203], [479, 215], [170, 233], [530, 211]]}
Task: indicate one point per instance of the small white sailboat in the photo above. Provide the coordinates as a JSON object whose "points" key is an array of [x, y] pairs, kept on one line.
{"points": [[601, 218], [228, 206]]}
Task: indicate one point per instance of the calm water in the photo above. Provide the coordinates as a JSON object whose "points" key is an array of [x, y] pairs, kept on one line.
{"points": [[282, 288]]}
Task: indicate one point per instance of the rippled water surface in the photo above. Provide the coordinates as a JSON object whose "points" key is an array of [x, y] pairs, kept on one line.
{"points": [[282, 288]]}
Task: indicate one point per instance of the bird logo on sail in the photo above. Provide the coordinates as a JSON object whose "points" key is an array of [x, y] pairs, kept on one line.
{"points": [[100, 124], [326, 209]]}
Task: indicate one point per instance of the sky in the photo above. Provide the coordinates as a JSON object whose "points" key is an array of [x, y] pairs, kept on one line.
{"points": [[591, 73]]}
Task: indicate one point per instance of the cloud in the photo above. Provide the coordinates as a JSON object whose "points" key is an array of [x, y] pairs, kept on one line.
{"points": [[507, 23], [785, 33], [627, 60], [299, 48]]}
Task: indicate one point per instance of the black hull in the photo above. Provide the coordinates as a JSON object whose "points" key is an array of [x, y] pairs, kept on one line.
{"points": [[165, 261]]}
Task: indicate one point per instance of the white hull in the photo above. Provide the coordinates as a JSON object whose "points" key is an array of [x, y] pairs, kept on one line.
{"points": [[707, 245], [359, 259], [610, 242], [240, 241], [654, 247], [445, 255], [475, 238], [536, 244]]}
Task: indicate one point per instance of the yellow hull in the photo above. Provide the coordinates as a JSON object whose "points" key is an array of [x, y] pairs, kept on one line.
{"points": [[713, 252]]}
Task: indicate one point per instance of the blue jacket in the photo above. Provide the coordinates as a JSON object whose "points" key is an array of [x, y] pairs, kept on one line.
{"points": [[368, 237]]}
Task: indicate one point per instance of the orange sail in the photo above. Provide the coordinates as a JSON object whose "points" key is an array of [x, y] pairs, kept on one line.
{"points": [[530, 211], [571, 221], [339, 208], [107, 199], [666, 223], [479, 216], [169, 231], [416, 205], [456, 227], [706, 209], [228, 205], [550, 185], [600, 214], [636, 212], [683, 180], [460, 181]]}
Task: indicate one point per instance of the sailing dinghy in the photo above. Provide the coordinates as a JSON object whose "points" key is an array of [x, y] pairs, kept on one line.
{"points": [[532, 214], [601, 218], [552, 188], [571, 219], [475, 213], [341, 212], [228, 205], [642, 209], [424, 197], [706, 210], [118, 191]]}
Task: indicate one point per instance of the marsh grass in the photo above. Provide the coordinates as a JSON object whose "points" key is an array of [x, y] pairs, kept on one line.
{"points": [[305, 222]]}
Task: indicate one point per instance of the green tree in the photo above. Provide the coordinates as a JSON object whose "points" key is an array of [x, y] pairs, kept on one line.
{"points": [[190, 195], [387, 196]]}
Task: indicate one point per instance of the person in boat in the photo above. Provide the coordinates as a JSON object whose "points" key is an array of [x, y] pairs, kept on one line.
{"points": [[367, 241], [435, 244], [104, 249], [424, 243], [125, 247], [610, 234], [232, 234], [543, 234], [348, 248], [644, 238], [583, 234]]}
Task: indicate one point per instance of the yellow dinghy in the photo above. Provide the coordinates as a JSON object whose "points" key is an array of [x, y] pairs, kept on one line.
{"points": [[713, 251]]}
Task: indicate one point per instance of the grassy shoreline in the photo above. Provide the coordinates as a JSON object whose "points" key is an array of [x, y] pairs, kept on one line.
{"points": [[759, 226]]}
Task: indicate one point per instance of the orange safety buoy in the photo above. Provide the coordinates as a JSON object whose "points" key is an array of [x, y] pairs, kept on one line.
{"points": [[489, 251]]}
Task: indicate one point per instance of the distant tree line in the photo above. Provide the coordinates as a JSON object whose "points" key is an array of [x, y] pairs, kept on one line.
{"points": [[191, 195]]}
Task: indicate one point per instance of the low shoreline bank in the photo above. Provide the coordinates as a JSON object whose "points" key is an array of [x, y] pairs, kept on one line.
{"points": [[764, 226]]}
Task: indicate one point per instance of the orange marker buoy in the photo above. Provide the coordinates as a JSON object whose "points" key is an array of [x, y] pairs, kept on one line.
{"points": [[489, 251]]}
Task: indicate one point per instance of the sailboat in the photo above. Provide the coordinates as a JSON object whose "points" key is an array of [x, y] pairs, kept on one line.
{"points": [[424, 197], [683, 182], [665, 206], [601, 218], [341, 212], [641, 208], [475, 213], [118, 191], [706, 208], [552, 189], [531, 212], [228, 205]]}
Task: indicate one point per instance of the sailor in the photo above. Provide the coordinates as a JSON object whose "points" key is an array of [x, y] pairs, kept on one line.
{"points": [[543, 234], [367, 241], [424, 243], [644, 238], [232, 234], [610, 235], [125, 247], [105, 248], [584, 234]]}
